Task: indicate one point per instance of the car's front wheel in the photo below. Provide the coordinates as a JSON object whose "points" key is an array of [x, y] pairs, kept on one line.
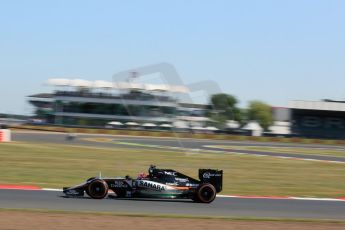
{"points": [[97, 189], [205, 193]]}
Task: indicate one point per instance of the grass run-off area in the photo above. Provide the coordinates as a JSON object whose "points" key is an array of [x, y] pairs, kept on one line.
{"points": [[55, 166], [340, 152]]}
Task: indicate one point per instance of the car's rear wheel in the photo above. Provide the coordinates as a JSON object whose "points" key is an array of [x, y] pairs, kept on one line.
{"points": [[97, 189], [205, 193]]}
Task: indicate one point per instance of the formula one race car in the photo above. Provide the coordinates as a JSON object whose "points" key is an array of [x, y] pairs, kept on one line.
{"points": [[158, 183]]}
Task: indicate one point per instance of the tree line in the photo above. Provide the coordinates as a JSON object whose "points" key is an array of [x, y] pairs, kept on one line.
{"points": [[224, 107]]}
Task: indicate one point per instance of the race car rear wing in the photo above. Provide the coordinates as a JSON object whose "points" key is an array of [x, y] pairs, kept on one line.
{"points": [[212, 176]]}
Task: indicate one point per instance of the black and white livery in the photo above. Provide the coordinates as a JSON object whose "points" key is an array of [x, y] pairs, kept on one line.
{"points": [[158, 183]]}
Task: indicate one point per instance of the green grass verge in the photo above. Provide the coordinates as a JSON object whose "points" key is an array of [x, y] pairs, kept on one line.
{"points": [[55, 166], [174, 216], [294, 150]]}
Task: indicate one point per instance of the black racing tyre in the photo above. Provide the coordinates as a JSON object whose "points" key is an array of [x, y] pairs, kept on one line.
{"points": [[87, 190], [97, 189], [205, 193]]}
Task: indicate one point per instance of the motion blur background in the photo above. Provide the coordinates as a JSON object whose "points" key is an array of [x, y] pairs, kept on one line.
{"points": [[280, 64]]}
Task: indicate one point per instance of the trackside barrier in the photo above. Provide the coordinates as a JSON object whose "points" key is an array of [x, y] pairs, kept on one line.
{"points": [[5, 135], [182, 135]]}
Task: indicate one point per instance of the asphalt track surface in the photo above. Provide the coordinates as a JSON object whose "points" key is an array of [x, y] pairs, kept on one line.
{"points": [[193, 144], [221, 207]]}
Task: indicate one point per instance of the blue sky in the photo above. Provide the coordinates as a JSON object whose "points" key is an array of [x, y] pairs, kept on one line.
{"points": [[273, 51]]}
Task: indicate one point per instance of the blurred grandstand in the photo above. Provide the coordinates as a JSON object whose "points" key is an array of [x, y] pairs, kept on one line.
{"points": [[100, 103], [124, 105]]}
